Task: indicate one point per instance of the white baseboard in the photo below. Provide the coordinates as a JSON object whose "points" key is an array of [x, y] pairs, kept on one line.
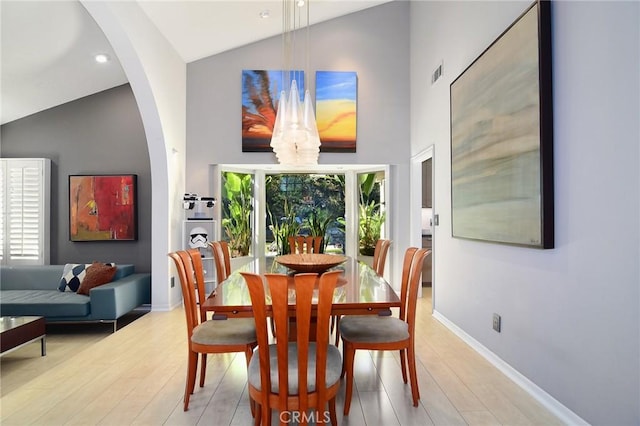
{"points": [[165, 307], [550, 403]]}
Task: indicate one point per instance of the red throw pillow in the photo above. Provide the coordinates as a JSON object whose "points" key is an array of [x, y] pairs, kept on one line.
{"points": [[97, 274]]}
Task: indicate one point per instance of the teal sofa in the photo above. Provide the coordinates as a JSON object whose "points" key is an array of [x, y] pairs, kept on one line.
{"points": [[33, 290]]}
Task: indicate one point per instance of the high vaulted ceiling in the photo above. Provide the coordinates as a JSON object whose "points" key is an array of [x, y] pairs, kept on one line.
{"points": [[48, 47]]}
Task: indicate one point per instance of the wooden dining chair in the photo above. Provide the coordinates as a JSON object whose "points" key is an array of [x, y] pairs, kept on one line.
{"points": [[380, 256], [222, 259], [206, 337], [305, 244], [384, 333], [198, 281], [379, 261], [294, 377]]}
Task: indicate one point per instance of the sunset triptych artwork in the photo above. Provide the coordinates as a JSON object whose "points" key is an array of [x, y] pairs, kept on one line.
{"points": [[260, 93], [335, 108]]}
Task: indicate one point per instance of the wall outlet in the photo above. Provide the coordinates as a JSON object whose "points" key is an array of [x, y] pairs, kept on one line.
{"points": [[173, 282], [497, 322]]}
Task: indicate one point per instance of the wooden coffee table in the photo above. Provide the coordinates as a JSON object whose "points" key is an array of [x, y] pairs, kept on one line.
{"points": [[16, 332]]}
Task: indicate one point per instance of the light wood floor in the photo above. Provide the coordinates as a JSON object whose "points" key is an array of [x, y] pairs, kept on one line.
{"points": [[136, 377]]}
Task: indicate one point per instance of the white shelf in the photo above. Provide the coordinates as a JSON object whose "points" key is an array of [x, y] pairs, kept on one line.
{"points": [[210, 226]]}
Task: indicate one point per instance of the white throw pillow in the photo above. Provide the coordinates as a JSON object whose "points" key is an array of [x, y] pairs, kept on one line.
{"points": [[72, 276]]}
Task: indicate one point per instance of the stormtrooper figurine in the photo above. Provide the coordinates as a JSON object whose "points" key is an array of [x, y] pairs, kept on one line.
{"points": [[198, 238]]}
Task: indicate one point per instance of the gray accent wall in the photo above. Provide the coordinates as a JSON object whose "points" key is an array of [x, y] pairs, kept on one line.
{"points": [[97, 134]]}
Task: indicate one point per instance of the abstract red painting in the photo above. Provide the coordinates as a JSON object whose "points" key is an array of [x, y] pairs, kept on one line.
{"points": [[103, 208]]}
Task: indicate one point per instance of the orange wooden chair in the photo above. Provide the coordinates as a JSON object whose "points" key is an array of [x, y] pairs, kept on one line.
{"points": [[222, 259], [387, 333], [305, 244], [379, 262], [212, 336], [380, 256], [294, 377]]}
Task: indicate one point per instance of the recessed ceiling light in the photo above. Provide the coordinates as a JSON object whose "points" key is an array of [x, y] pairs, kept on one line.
{"points": [[265, 14], [101, 58]]}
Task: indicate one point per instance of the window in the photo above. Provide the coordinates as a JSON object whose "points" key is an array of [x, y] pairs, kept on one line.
{"points": [[372, 210], [24, 204], [335, 188], [305, 204], [237, 208]]}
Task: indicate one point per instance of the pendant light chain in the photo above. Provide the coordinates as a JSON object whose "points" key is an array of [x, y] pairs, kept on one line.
{"points": [[306, 69]]}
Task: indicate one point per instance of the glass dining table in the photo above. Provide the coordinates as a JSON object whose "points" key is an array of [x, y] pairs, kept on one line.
{"points": [[360, 291]]}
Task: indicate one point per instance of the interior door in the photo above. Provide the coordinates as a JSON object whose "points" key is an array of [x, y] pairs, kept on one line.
{"points": [[423, 220]]}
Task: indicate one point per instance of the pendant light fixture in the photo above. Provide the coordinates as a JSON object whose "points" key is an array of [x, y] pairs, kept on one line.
{"points": [[295, 139]]}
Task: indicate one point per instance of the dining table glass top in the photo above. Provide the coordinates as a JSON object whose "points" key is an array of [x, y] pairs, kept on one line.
{"points": [[359, 290]]}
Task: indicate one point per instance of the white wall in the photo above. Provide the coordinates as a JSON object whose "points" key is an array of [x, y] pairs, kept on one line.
{"points": [[158, 79], [570, 315]]}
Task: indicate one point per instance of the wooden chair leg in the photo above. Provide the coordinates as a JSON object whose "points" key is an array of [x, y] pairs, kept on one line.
{"points": [[403, 364], [415, 392], [192, 364], [203, 369], [258, 417], [187, 394], [193, 367], [349, 355], [267, 414], [336, 319], [252, 404], [332, 412]]}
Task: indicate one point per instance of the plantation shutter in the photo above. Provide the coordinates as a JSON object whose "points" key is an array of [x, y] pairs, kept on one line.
{"points": [[25, 211]]}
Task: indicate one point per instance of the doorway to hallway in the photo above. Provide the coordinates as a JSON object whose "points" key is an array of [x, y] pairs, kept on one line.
{"points": [[422, 213]]}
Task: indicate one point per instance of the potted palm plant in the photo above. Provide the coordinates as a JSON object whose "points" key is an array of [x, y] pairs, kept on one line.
{"points": [[371, 216], [236, 220], [287, 226], [369, 226], [317, 223]]}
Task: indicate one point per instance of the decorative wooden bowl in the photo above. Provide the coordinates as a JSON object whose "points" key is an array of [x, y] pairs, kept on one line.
{"points": [[310, 262]]}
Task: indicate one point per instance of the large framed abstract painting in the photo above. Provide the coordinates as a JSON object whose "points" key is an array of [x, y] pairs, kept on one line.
{"points": [[103, 208], [260, 94], [336, 110], [502, 138]]}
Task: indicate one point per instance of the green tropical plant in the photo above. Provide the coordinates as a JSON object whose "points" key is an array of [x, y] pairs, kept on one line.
{"points": [[371, 216], [284, 228], [369, 226], [318, 222], [237, 207]]}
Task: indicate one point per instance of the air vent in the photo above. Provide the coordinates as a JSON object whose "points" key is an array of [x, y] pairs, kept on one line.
{"points": [[436, 74]]}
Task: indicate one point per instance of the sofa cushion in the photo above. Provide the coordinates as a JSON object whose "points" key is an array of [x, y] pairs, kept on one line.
{"points": [[97, 274], [47, 303], [74, 273], [72, 276]]}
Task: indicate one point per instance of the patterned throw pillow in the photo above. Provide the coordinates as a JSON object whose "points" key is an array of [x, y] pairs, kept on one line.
{"points": [[97, 274], [72, 276]]}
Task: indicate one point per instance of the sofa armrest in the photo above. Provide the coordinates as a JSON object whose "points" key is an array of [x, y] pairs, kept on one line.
{"points": [[112, 300]]}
